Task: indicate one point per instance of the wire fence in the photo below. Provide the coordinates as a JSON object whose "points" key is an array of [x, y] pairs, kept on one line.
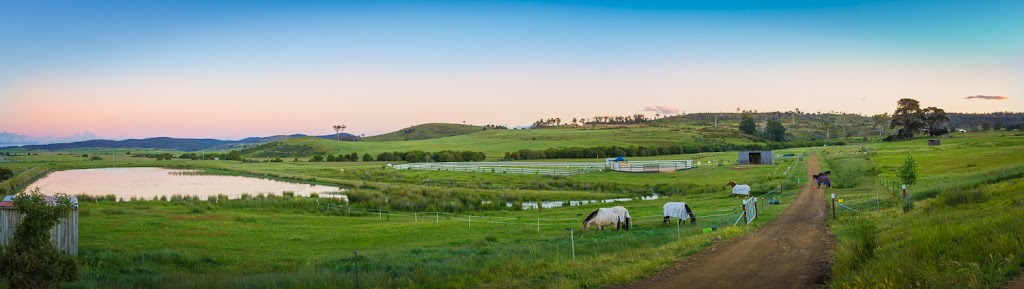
{"points": [[714, 219]]}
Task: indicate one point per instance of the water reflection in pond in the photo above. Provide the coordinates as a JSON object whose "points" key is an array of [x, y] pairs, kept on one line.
{"points": [[558, 204], [151, 183]]}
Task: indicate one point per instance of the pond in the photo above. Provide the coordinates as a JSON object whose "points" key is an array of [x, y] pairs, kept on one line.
{"points": [[556, 204], [153, 183]]}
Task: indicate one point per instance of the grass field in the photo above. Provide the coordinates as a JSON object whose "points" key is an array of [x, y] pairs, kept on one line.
{"points": [[292, 243], [965, 230], [282, 242]]}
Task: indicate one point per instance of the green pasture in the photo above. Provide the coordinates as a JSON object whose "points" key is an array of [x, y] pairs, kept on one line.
{"points": [[294, 243], [964, 230], [495, 143], [283, 242]]}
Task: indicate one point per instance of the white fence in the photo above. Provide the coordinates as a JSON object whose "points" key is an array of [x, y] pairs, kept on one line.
{"points": [[652, 166], [525, 168], [750, 209]]}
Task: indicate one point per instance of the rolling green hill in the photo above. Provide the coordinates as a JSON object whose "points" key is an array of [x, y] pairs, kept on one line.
{"points": [[427, 131], [496, 142]]}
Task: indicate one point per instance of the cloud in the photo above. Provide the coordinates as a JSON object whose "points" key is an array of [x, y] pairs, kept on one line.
{"points": [[987, 97], [663, 109]]}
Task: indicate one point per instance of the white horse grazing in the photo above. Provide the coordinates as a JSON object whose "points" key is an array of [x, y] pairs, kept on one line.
{"points": [[624, 218], [601, 218], [739, 189], [678, 210]]}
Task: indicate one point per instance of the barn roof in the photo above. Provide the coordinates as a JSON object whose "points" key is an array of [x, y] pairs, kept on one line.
{"points": [[8, 201]]}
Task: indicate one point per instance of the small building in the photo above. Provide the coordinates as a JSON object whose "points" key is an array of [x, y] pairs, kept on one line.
{"points": [[756, 157], [610, 162], [64, 235], [934, 142]]}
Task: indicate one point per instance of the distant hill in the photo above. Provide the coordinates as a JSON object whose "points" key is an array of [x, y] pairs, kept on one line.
{"points": [[179, 144], [427, 131]]}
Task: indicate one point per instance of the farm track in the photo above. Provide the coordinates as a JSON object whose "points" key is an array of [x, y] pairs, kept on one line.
{"points": [[794, 251], [1016, 283]]}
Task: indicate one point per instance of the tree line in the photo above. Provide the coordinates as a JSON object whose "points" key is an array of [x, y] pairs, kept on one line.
{"points": [[639, 151], [774, 130], [341, 157], [557, 121], [441, 156]]}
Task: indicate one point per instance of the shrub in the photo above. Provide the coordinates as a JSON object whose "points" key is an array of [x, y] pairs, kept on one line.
{"points": [[30, 260], [5, 174]]}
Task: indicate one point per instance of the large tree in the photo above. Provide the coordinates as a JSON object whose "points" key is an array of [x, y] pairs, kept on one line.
{"points": [[747, 124], [908, 117], [338, 129], [935, 119], [880, 121], [776, 131]]}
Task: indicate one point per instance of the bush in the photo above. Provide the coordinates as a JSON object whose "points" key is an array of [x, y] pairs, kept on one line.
{"points": [[5, 174], [30, 260]]}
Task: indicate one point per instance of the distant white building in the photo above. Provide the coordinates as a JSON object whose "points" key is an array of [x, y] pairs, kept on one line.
{"points": [[961, 130]]}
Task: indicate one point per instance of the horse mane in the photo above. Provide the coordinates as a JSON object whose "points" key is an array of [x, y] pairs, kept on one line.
{"points": [[590, 217]]}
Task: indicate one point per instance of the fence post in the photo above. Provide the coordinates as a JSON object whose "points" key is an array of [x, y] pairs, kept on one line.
{"points": [[679, 233], [416, 217], [380, 214], [470, 221], [355, 258], [538, 225], [834, 206], [572, 237], [436, 218]]}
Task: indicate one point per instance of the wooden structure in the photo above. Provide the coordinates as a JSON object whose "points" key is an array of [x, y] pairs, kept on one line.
{"points": [[652, 166], [934, 142], [756, 157], [64, 235]]}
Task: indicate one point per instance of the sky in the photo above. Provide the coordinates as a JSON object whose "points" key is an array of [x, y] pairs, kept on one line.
{"points": [[233, 69]]}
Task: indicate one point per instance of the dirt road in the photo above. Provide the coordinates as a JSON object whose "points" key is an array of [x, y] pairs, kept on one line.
{"points": [[794, 251]]}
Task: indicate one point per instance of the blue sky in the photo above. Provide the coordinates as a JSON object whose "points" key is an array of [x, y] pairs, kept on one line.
{"points": [[382, 65]]}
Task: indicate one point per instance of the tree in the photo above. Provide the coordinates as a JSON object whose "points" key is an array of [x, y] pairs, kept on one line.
{"points": [[31, 260], [908, 117], [776, 131], [747, 124], [367, 157], [880, 120], [5, 174], [908, 175], [935, 119], [997, 123], [338, 129], [233, 155]]}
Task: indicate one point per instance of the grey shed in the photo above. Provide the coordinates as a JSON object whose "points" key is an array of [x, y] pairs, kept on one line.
{"points": [[756, 157]]}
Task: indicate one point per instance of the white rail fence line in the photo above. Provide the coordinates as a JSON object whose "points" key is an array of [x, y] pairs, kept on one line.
{"points": [[652, 166], [553, 169]]}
